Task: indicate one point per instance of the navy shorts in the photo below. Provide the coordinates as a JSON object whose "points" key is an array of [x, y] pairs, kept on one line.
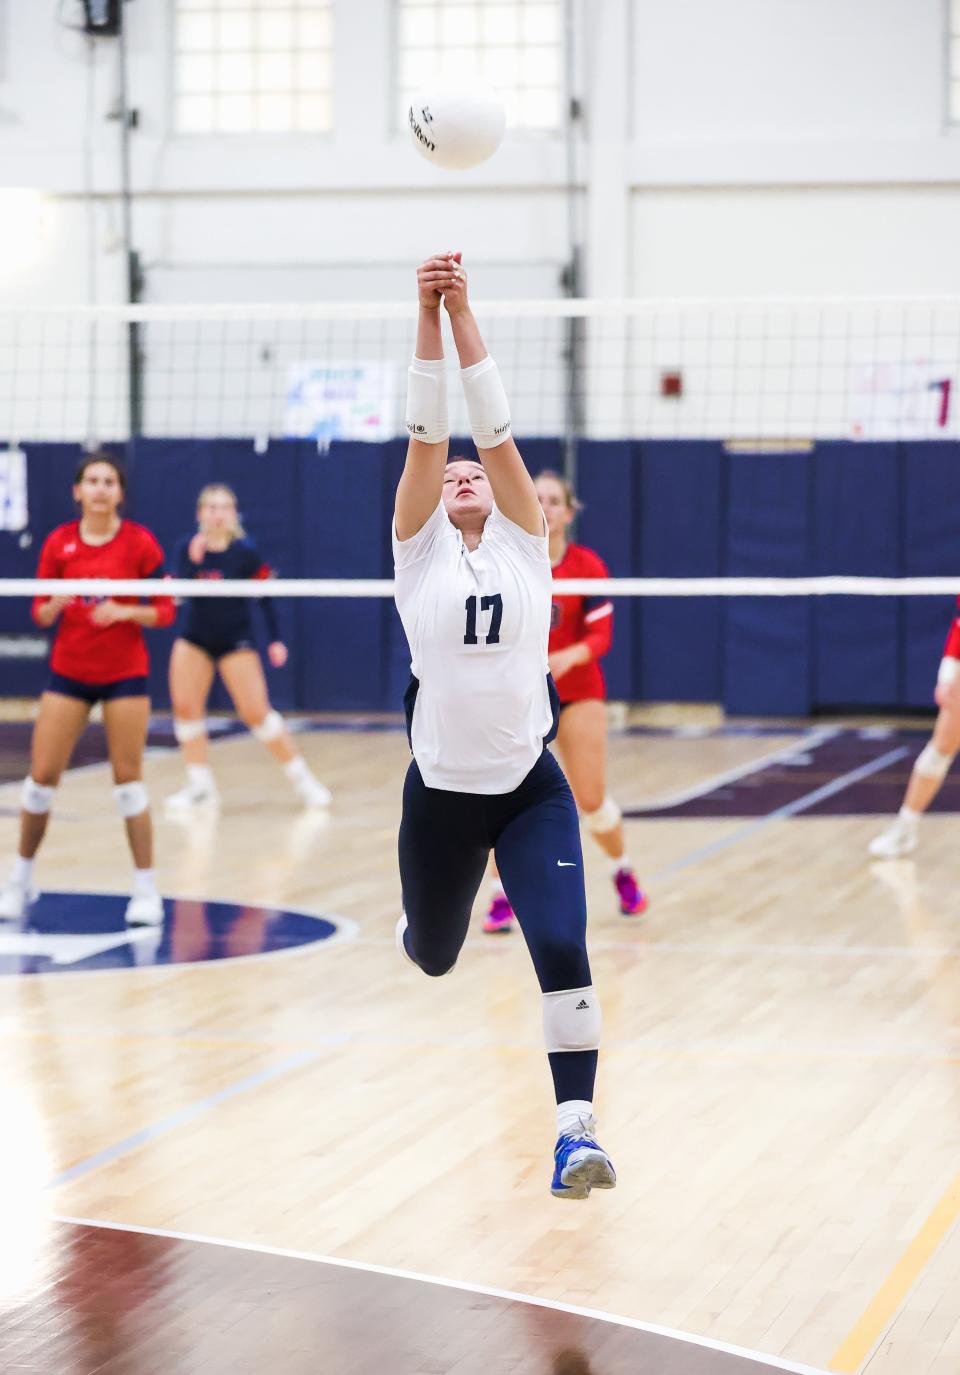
{"points": [[97, 692], [220, 648]]}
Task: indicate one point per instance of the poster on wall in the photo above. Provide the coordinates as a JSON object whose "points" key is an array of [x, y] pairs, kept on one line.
{"points": [[13, 490], [326, 402], [903, 400]]}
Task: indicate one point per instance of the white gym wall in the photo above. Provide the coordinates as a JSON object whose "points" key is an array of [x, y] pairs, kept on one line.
{"points": [[853, 187]]}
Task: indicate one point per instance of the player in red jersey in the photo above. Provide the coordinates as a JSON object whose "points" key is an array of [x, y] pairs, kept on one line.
{"points": [[933, 762], [581, 634], [98, 656]]}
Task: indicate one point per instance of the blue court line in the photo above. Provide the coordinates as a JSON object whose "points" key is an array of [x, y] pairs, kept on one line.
{"points": [[799, 804], [179, 1119]]}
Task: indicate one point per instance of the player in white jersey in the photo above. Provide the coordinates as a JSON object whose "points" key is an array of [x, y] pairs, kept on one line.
{"points": [[473, 588]]}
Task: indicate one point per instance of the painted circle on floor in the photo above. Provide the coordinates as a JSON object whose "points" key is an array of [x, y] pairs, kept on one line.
{"points": [[66, 932]]}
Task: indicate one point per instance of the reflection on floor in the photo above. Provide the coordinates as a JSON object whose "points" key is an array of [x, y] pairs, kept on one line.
{"points": [[102, 1301]]}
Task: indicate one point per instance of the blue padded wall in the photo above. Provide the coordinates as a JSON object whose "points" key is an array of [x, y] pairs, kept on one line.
{"points": [[342, 520], [50, 469], [767, 645], [677, 522], [665, 508], [856, 531], [931, 545]]}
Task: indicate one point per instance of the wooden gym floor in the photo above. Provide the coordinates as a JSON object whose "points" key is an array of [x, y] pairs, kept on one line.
{"points": [[779, 1086]]}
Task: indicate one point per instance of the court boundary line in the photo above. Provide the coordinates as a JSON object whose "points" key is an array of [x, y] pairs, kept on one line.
{"points": [[784, 813], [556, 1305], [812, 740], [889, 1300], [180, 1117]]}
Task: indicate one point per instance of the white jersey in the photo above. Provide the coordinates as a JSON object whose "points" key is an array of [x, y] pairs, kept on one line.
{"points": [[477, 625]]}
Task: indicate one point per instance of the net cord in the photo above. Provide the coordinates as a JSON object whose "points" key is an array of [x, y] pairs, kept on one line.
{"points": [[836, 586]]}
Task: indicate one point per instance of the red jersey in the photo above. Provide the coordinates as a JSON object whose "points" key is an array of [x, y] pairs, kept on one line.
{"points": [[951, 649], [94, 653], [581, 620]]}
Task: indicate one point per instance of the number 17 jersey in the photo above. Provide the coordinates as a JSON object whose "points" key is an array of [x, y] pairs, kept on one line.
{"points": [[477, 625]]}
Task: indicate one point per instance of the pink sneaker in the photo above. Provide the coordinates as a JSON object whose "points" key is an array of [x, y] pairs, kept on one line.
{"points": [[499, 917], [633, 900]]}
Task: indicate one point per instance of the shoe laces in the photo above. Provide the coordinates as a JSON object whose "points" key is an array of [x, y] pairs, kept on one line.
{"points": [[583, 1131]]}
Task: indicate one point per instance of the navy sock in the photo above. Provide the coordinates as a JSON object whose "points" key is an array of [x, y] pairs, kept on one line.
{"points": [[574, 1072]]}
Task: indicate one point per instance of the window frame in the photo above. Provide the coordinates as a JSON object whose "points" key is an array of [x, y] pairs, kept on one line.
{"points": [[196, 135], [516, 130]]}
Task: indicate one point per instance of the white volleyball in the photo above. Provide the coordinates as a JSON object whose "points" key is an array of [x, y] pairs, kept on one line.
{"points": [[457, 127]]}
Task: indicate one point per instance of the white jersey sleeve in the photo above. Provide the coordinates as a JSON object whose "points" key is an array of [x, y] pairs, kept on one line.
{"points": [[419, 546], [500, 529]]}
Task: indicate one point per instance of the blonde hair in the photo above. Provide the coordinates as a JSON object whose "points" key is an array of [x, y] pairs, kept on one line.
{"points": [[566, 486], [221, 489]]}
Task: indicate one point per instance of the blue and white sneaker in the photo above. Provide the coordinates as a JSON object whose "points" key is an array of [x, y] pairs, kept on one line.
{"points": [[581, 1165]]}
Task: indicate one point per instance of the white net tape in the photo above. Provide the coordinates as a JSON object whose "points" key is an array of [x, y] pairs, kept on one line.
{"points": [[383, 587]]}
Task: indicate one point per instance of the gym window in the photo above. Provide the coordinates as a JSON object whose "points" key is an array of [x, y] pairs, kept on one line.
{"points": [[253, 66], [515, 47]]}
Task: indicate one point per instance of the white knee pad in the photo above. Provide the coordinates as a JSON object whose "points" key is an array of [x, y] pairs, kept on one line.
{"points": [[35, 798], [571, 1020], [932, 764], [131, 799], [270, 728], [185, 731], [604, 818]]}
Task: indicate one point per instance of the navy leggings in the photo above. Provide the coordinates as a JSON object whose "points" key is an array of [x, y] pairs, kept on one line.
{"points": [[445, 841]]}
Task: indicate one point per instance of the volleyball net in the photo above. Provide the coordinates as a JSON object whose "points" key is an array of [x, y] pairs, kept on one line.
{"points": [[739, 370], [767, 471]]}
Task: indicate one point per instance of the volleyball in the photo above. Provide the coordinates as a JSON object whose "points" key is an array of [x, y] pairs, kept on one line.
{"points": [[457, 127]]}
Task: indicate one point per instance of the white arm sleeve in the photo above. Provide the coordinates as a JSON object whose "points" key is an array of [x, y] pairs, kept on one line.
{"points": [[486, 403], [427, 418]]}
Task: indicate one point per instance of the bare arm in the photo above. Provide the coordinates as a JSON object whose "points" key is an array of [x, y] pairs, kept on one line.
{"points": [[513, 488], [46, 610], [110, 612], [421, 482]]}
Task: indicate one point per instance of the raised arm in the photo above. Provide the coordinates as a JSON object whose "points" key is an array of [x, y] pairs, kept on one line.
{"points": [[421, 482], [513, 488]]}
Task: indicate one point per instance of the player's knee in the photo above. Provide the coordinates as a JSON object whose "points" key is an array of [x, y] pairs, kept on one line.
{"points": [[602, 817], [36, 796], [571, 1019], [186, 730], [932, 764], [265, 728], [132, 798], [436, 964]]}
